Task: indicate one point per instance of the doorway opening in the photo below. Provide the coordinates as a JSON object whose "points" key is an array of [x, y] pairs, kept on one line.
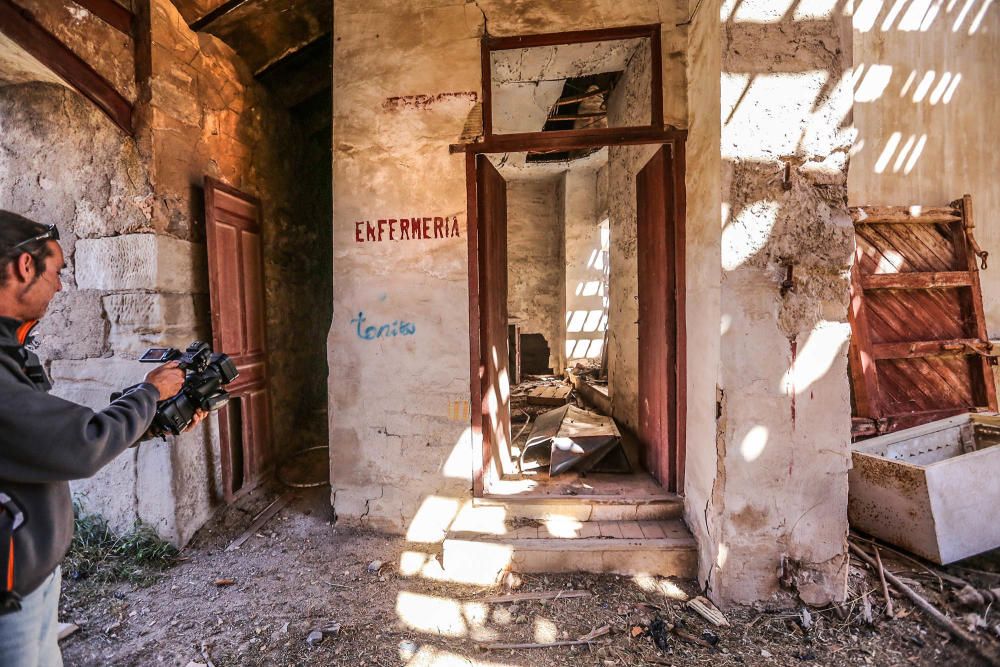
{"points": [[576, 269], [577, 292]]}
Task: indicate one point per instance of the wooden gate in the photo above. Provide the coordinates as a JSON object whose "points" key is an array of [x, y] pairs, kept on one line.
{"points": [[919, 349], [235, 270]]}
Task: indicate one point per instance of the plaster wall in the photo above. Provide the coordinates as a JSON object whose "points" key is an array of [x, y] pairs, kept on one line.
{"points": [[586, 314], [926, 84], [396, 451], [628, 105], [536, 266], [704, 475], [777, 512]]}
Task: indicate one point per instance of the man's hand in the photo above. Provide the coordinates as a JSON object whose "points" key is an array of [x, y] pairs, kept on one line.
{"points": [[199, 415], [168, 378]]}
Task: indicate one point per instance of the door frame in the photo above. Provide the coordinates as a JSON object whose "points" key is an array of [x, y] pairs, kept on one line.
{"points": [[669, 137]]}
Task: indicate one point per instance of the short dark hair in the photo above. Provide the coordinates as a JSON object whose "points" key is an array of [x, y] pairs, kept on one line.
{"points": [[14, 229]]}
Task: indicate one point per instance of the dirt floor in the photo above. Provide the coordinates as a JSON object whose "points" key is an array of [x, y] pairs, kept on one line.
{"points": [[301, 574]]}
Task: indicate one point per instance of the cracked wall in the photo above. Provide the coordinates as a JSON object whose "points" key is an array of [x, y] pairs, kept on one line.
{"points": [[778, 506], [392, 162]]}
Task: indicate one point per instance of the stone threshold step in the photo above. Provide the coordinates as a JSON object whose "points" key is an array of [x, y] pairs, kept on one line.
{"points": [[660, 548], [587, 508]]}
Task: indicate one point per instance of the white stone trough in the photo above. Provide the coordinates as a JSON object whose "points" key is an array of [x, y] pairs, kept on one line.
{"points": [[933, 490]]}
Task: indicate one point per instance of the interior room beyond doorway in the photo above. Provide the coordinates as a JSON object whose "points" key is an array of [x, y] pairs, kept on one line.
{"points": [[562, 288]]}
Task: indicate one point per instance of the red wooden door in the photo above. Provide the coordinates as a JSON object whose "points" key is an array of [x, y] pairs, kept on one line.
{"points": [[236, 269], [656, 243], [919, 346], [493, 349]]}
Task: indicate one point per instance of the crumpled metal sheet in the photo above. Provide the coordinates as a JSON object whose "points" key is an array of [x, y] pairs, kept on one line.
{"points": [[576, 439]]}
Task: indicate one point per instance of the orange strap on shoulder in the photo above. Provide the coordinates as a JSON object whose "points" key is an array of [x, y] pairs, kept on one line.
{"points": [[24, 330]]}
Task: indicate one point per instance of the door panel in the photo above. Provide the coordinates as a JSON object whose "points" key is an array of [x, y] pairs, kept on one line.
{"points": [[493, 350], [656, 250], [919, 345], [235, 267]]}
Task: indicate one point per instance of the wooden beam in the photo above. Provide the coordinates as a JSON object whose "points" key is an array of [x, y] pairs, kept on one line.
{"points": [[565, 140], [111, 13], [21, 27], [216, 14], [574, 37], [903, 215], [917, 280], [930, 348]]}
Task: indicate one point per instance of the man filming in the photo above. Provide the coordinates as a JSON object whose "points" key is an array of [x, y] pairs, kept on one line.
{"points": [[46, 441]]}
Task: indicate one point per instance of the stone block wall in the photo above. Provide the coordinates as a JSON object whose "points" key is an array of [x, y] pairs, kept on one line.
{"points": [[63, 162], [131, 219]]}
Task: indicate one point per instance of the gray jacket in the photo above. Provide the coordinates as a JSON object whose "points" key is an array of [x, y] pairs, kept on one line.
{"points": [[46, 441]]}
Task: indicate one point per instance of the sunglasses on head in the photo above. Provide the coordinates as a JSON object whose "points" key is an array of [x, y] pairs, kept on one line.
{"points": [[50, 234]]}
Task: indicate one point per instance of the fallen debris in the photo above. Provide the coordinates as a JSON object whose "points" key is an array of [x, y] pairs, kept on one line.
{"points": [[704, 608], [926, 606], [557, 395], [262, 518], [658, 631], [375, 566], [540, 595], [224, 582], [885, 587], [66, 629]]}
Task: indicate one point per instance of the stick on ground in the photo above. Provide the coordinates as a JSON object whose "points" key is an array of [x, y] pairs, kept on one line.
{"points": [[928, 608], [885, 587]]}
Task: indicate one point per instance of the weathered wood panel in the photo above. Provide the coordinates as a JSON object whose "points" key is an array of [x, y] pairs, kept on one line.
{"points": [[919, 349]]}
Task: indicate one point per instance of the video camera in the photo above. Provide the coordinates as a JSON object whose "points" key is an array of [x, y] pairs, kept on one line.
{"points": [[205, 373]]}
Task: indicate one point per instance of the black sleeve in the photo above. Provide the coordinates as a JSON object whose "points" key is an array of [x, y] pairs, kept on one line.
{"points": [[44, 438]]}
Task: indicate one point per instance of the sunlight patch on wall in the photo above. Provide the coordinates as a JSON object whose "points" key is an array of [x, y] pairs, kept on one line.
{"points": [[774, 114], [826, 343], [458, 465], [873, 83], [747, 233], [754, 443]]}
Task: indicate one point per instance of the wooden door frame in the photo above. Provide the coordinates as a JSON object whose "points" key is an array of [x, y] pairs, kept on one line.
{"points": [[675, 140]]}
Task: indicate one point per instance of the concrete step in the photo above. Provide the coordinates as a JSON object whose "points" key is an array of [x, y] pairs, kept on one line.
{"points": [[640, 507], [659, 548]]}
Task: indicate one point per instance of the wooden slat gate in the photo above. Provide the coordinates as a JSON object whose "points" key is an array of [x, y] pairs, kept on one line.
{"points": [[919, 349]]}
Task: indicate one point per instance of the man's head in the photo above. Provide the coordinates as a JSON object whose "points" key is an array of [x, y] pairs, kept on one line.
{"points": [[30, 262]]}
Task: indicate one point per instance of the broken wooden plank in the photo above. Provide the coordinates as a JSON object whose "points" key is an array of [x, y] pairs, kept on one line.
{"points": [[261, 519], [931, 348], [869, 215], [917, 280], [704, 608], [557, 395], [540, 595]]}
